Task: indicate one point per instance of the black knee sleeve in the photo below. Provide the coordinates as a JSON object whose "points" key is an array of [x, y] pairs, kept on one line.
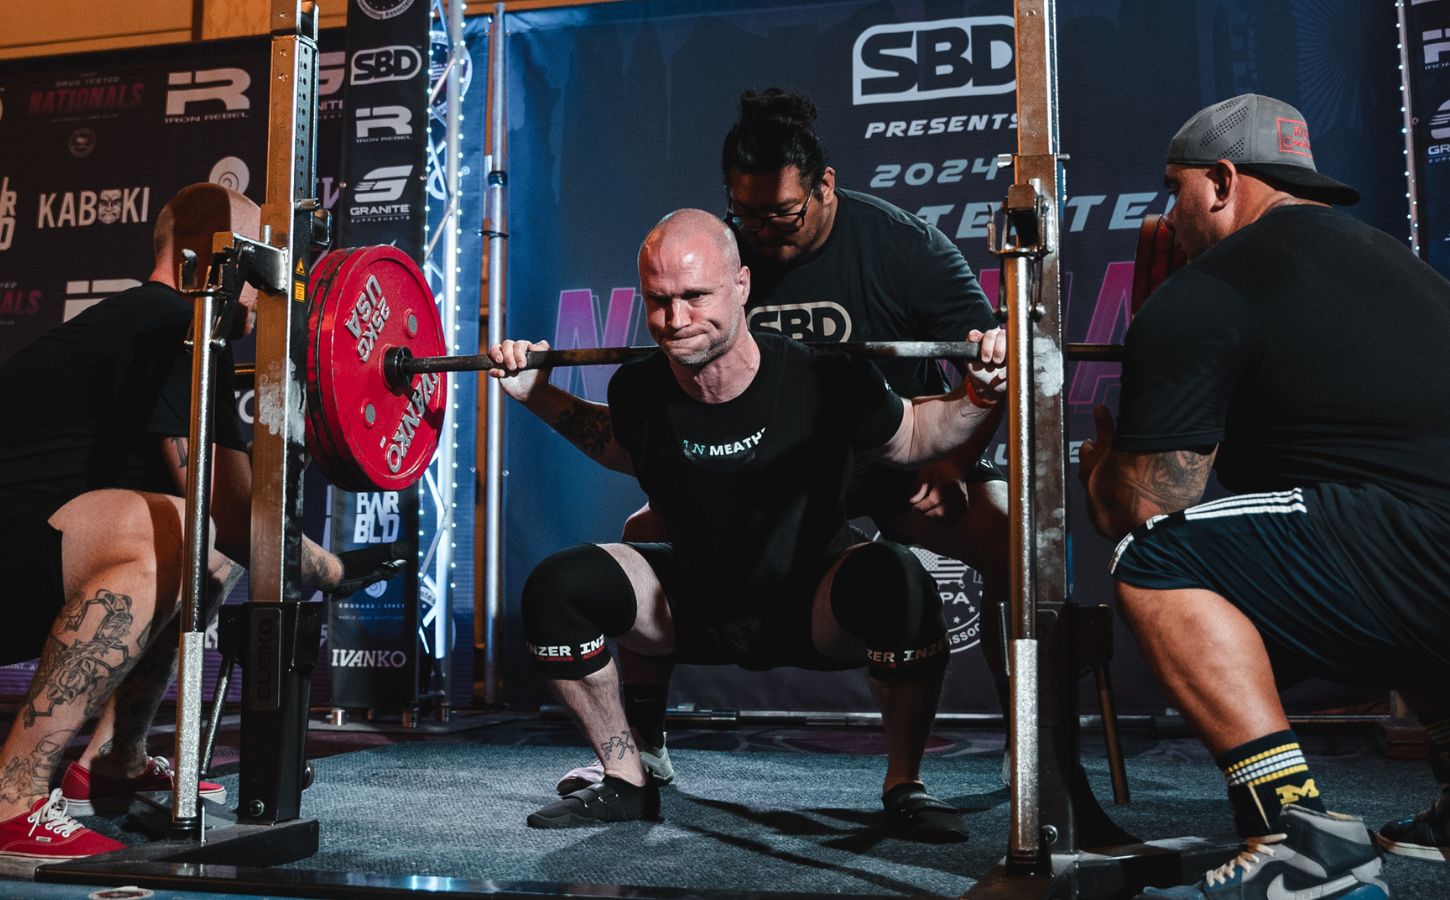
{"points": [[572, 601], [883, 595]]}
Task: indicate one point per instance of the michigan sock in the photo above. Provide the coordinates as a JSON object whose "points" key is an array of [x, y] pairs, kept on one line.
{"points": [[1265, 775], [644, 710]]}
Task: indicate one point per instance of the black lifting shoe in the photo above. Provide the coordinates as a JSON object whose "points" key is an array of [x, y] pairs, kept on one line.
{"points": [[611, 800], [913, 813]]}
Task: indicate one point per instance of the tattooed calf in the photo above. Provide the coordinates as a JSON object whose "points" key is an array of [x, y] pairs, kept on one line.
{"points": [[68, 671]]}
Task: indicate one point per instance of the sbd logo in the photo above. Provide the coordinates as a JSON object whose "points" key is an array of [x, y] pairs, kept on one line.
{"points": [[928, 60], [385, 64]]}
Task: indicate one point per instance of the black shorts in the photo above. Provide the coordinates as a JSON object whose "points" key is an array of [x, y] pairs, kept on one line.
{"points": [[1265, 554], [34, 586], [882, 492], [775, 632]]}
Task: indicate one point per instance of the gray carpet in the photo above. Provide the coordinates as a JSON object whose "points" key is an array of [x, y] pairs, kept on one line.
{"points": [[768, 811]]}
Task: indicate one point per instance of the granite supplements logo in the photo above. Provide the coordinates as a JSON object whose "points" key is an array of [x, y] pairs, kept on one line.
{"points": [[207, 95], [331, 75], [108, 206], [376, 195], [383, 9], [1440, 123], [907, 61]]}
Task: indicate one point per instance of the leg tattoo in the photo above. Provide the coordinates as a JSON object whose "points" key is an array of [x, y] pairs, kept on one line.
{"points": [[29, 776], [619, 742], [68, 671]]}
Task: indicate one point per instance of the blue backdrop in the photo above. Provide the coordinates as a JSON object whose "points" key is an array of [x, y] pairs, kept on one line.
{"points": [[616, 115]]}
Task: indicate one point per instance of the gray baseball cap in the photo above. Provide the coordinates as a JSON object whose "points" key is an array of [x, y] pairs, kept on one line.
{"points": [[1262, 136]]}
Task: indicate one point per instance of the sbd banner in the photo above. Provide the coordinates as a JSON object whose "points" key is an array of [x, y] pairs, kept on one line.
{"points": [[617, 114]]}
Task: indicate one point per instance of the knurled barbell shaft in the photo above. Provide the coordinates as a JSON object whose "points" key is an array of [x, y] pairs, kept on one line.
{"points": [[400, 365]]}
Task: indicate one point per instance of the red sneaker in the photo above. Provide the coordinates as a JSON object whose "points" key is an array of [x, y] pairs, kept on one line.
{"points": [[87, 794], [48, 832]]}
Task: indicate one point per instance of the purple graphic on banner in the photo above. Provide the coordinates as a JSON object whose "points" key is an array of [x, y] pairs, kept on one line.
{"points": [[1093, 381], [579, 327]]}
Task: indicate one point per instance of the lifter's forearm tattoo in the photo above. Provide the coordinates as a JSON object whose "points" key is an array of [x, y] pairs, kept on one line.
{"points": [[29, 776], [587, 426], [83, 669], [314, 568], [620, 743]]}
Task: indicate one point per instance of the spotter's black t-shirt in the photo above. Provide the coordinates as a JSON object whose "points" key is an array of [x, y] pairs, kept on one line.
{"points": [[1309, 347], [882, 275], [752, 490], [88, 402]]}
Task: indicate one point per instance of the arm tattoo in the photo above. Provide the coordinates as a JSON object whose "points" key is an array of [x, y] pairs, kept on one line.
{"points": [[620, 743], [180, 445], [587, 427], [83, 669], [1166, 482], [314, 568]]}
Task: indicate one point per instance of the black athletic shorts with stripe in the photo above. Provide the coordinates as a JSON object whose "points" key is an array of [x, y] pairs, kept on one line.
{"points": [[1267, 554]]}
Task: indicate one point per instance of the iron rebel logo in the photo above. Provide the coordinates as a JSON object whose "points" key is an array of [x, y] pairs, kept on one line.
{"points": [[110, 206], [966, 57], [207, 95]]}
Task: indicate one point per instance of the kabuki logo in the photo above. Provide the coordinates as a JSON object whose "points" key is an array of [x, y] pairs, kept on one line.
{"points": [[82, 143], [77, 209]]}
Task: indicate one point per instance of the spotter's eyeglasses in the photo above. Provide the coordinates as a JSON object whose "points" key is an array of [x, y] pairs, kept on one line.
{"points": [[782, 222]]}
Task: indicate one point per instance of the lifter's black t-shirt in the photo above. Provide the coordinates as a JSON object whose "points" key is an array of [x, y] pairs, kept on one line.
{"points": [[752, 490], [882, 275], [1310, 348], [88, 402]]}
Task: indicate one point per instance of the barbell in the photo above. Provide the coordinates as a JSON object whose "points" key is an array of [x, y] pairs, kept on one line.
{"points": [[376, 357]]}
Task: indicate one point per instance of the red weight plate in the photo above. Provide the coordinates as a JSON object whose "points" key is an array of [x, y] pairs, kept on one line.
{"points": [[333, 464], [1156, 258], [375, 438]]}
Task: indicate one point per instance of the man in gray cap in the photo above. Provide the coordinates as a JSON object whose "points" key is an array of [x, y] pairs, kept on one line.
{"points": [[1246, 362]]}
